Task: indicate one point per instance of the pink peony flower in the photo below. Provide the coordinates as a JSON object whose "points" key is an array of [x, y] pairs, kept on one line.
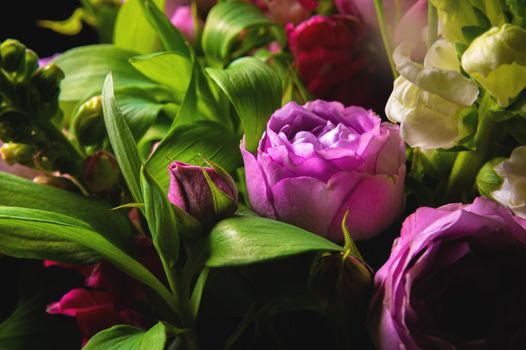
{"points": [[454, 280], [317, 161]]}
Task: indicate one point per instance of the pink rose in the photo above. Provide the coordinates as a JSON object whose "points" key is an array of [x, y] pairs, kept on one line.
{"points": [[454, 280], [317, 161]]}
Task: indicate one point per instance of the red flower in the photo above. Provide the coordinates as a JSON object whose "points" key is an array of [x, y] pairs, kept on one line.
{"points": [[332, 58], [110, 298]]}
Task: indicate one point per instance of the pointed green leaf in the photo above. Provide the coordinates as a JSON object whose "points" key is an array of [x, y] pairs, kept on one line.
{"points": [[123, 337], [19, 192], [132, 29], [243, 240], [255, 92], [121, 140], [224, 24], [86, 68], [172, 69], [171, 37]]}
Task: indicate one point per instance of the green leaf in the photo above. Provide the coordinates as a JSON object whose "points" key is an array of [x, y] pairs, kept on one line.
{"points": [[121, 140], [172, 69], [86, 68], [133, 30], [187, 141], [224, 24], [162, 224], [254, 90], [243, 240], [140, 107], [197, 294], [38, 234], [171, 37], [18, 192], [129, 338]]}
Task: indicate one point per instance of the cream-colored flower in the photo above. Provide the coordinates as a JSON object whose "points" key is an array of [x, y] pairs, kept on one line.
{"points": [[429, 100]]}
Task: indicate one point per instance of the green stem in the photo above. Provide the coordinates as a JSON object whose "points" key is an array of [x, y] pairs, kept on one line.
{"points": [[432, 24], [62, 144], [468, 163], [385, 36]]}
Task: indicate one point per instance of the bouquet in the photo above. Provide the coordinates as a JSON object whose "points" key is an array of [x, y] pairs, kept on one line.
{"points": [[272, 174]]}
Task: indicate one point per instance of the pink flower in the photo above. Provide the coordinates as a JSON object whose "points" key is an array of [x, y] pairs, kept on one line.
{"points": [[110, 298], [317, 161], [454, 280], [288, 11], [190, 191]]}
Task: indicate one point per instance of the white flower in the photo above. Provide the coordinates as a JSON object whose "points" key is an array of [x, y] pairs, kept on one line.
{"points": [[428, 100], [512, 192]]}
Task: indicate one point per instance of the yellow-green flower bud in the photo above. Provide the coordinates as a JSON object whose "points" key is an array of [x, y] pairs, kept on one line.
{"points": [[13, 54], [487, 179], [13, 153], [88, 124], [497, 61], [47, 80]]}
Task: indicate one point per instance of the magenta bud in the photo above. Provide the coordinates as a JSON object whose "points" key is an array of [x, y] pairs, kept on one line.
{"points": [[191, 192], [101, 171]]}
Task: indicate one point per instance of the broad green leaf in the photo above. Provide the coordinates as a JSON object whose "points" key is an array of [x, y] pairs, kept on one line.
{"points": [[187, 142], [18, 192], [123, 337], [162, 224], [170, 36], [141, 108], [243, 240], [255, 92], [168, 68], [38, 234], [224, 24], [133, 31], [86, 68], [121, 140]]}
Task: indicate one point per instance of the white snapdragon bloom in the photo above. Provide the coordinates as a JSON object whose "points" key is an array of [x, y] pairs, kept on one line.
{"points": [[512, 192], [497, 60], [428, 100]]}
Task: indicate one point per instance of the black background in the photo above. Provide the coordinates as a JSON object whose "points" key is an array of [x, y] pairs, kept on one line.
{"points": [[18, 20]]}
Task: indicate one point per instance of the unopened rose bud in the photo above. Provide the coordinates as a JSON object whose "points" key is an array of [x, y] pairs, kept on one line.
{"points": [[13, 153], [341, 280], [101, 171], [13, 54], [191, 192], [47, 80], [88, 123], [57, 182]]}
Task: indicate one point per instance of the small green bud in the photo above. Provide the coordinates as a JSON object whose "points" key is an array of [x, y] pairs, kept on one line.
{"points": [[47, 80], [31, 60], [13, 55], [88, 123], [487, 179], [13, 153], [101, 171]]}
